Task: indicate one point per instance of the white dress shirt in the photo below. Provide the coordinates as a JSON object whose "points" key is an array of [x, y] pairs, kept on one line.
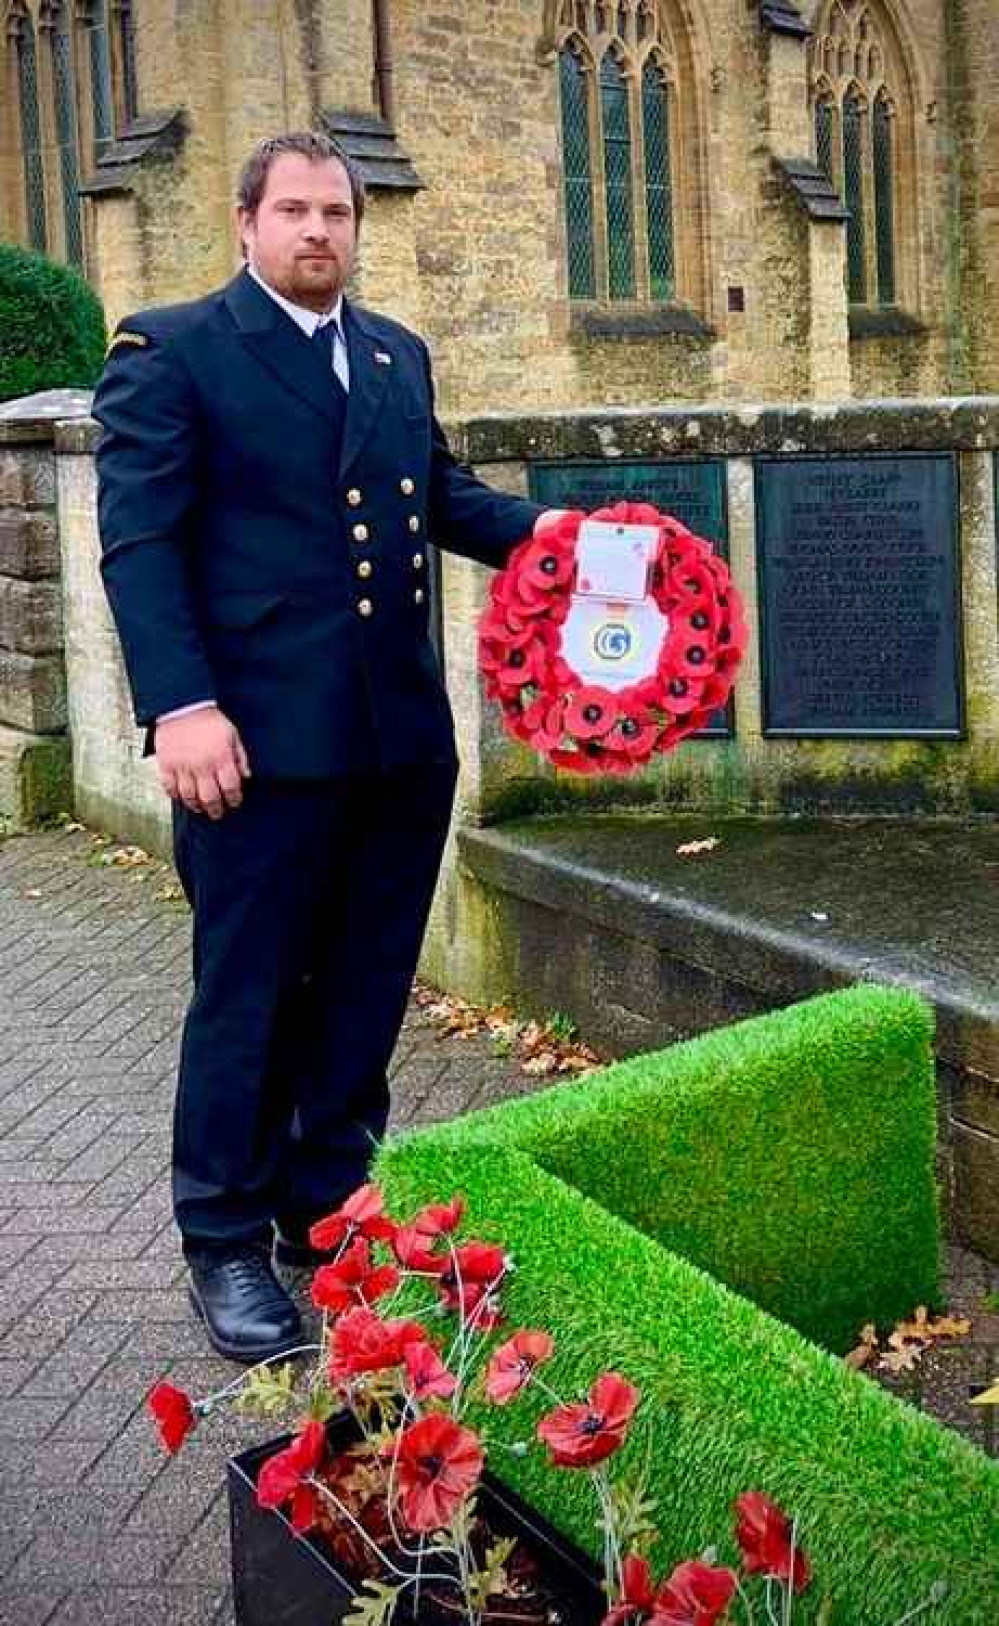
{"points": [[308, 321]]}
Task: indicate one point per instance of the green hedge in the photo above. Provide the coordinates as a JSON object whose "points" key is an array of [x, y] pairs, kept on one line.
{"points": [[52, 333], [791, 1155], [697, 1146]]}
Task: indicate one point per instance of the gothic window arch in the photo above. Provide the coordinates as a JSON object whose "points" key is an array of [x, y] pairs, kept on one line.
{"points": [[630, 124], [24, 63], [863, 103], [71, 86]]}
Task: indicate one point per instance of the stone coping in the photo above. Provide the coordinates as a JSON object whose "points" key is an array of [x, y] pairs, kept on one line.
{"points": [[784, 907], [732, 429]]}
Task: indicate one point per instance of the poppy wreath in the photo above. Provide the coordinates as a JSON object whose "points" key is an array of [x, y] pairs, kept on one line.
{"points": [[588, 728]]}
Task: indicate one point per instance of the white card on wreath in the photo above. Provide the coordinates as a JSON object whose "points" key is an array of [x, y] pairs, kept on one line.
{"points": [[612, 561], [613, 643]]}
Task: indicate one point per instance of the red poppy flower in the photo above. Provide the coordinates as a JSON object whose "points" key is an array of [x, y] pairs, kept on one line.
{"points": [[427, 1373], [696, 1594], [412, 1248], [635, 735], [352, 1279], [362, 1213], [543, 723], [580, 1435], [362, 1342], [437, 1465], [512, 1365], [474, 1265], [591, 712], [765, 1535], [282, 1477], [548, 563], [638, 1595], [174, 1414]]}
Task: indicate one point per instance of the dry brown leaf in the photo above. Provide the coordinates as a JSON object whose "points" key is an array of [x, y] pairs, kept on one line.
{"points": [[129, 857], [901, 1360], [690, 849], [926, 1328], [866, 1350], [540, 1065]]}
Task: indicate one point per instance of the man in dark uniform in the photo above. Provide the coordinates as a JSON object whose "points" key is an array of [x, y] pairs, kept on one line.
{"points": [[270, 474]]}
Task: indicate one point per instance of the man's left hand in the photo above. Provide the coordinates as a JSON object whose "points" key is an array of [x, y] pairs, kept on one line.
{"points": [[547, 520]]}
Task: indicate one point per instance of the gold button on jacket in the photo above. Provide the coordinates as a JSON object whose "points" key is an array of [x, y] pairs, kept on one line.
{"points": [[360, 533], [419, 595], [414, 522], [417, 561], [365, 606], [353, 497], [406, 486], [364, 569]]}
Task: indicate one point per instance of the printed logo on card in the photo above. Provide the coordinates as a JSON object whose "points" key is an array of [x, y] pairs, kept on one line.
{"points": [[613, 641]]}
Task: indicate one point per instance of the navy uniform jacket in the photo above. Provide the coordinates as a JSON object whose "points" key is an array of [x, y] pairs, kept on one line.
{"points": [[261, 550]]}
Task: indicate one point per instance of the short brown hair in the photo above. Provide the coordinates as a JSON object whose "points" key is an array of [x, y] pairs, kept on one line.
{"points": [[312, 144]]}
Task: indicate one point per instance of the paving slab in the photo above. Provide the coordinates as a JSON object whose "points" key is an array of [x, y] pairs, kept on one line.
{"points": [[103, 1529]]}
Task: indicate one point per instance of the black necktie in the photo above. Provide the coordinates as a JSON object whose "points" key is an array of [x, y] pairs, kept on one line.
{"points": [[323, 340]]}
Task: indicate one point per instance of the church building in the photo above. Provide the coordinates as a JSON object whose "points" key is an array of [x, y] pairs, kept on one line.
{"points": [[578, 202]]}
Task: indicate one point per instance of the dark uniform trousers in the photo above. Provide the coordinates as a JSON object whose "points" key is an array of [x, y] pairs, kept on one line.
{"points": [[310, 903], [264, 544]]}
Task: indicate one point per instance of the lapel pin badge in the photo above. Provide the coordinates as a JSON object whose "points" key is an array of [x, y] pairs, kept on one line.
{"points": [[383, 358]]}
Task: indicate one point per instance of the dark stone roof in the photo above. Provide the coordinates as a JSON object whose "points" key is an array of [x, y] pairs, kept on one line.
{"points": [[153, 136], [781, 17], [371, 143], [814, 188]]}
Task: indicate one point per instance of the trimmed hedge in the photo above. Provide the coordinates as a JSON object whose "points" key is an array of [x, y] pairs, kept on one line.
{"points": [[52, 333], [888, 1502], [792, 1156]]}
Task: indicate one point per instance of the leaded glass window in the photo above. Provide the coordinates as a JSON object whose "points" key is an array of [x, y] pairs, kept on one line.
{"points": [[824, 138], [658, 180], [126, 46], [31, 134], [102, 97], [853, 191], [884, 201], [632, 150], [615, 118], [64, 92], [859, 88], [578, 180]]}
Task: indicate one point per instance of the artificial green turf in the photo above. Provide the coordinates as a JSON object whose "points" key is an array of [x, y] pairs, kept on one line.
{"points": [[887, 1501], [790, 1155]]}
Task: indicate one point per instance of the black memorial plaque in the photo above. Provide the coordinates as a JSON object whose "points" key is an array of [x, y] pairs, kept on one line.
{"points": [[693, 493], [859, 596]]}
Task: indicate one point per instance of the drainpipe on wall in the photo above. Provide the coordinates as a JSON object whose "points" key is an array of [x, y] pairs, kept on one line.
{"points": [[383, 61]]}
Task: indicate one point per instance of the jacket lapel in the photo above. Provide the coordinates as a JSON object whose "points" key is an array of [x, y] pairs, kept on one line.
{"points": [[281, 346], [372, 365]]}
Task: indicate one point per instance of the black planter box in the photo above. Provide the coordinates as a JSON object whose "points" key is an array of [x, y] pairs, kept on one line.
{"points": [[280, 1579]]}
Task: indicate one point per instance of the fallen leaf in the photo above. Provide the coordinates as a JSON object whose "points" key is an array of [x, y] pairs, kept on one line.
{"points": [[689, 849], [866, 1350], [901, 1360]]}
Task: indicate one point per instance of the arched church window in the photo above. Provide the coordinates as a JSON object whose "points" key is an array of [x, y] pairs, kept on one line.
{"points": [[578, 179], [60, 32], [615, 119], [854, 197], [23, 37], [658, 179], [101, 89], [123, 60], [863, 108], [631, 154], [884, 199]]}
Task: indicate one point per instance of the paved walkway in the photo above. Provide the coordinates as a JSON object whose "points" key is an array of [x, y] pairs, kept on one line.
{"points": [[97, 1526]]}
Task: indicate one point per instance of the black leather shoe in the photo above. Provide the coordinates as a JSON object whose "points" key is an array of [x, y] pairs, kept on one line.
{"points": [[248, 1316]]}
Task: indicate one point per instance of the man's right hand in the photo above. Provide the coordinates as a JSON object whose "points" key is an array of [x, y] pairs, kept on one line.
{"points": [[201, 761]]}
